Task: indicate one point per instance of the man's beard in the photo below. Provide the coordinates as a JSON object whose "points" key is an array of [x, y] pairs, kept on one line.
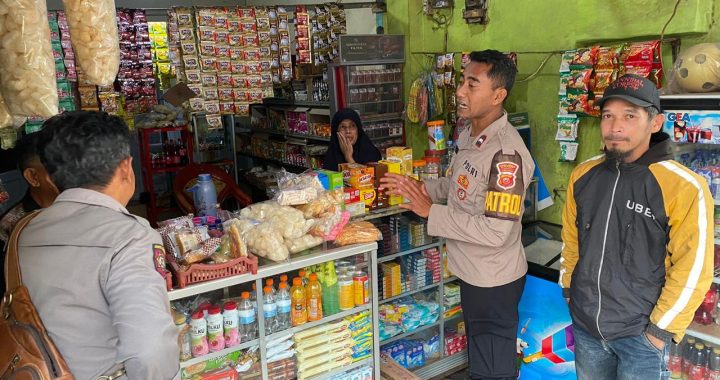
{"points": [[616, 154]]}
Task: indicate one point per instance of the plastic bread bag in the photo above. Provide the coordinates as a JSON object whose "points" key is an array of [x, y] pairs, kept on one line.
{"points": [[302, 243], [186, 239], [27, 67], [224, 252], [265, 241], [6, 120], [206, 249], [358, 232], [289, 221], [298, 189], [94, 36], [331, 225], [328, 202], [234, 230]]}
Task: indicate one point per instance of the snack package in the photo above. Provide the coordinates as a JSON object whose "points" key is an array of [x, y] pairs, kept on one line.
{"points": [[287, 221], [567, 127], [302, 243], [358, 232], [265, 241], [297, 189], [234, 230], [203, 251], [6, 119], [324, 205], [27, 68], [93, 32], [568, 151], [579, 79], [223, 253]]}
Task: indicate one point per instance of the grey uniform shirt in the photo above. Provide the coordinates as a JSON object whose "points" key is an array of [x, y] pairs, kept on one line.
{"points": [[484, 192], [89, 267]]}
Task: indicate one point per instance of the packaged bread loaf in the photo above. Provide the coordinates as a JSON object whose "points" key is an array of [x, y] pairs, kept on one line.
{"points": [[27, 66], [358, 232], [94, 36]]}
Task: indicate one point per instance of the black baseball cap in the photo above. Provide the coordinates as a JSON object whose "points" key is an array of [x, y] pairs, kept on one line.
{"points": [[635, 89]]}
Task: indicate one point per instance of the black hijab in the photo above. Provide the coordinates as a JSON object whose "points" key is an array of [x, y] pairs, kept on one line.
{"points": [[364, 150]]}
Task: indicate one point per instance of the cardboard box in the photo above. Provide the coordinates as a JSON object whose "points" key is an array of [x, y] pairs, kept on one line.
{"points": [[391, 370], [396, 168], [351, 195], [330, 180], [368, 195], [356, 208], [403, 156], [357, 175]]}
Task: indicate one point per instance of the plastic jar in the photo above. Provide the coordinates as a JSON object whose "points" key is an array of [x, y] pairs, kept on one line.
{"points": [[419, 169], [432, 169]]}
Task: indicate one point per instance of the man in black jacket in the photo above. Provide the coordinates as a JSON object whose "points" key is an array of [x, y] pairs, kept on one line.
{"points": [[637, 231]]}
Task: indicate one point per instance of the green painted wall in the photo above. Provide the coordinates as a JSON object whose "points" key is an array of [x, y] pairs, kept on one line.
{"points": [[532, 26]]}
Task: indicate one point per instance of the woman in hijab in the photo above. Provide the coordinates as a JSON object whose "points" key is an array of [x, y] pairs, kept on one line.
{"points": [[348, 142]]}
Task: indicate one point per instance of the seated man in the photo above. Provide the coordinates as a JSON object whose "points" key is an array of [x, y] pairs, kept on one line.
{"points": [[88, 263], [40, 194]]}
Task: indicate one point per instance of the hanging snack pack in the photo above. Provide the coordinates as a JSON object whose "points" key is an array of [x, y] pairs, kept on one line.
{"points": [[27, 69], [93, 31], [568, 151], [567, 128]]}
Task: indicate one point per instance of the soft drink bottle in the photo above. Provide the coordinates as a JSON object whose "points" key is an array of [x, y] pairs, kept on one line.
{"points": [[713, 372], [675, 361], [687, 353], [183, 154], [314, 299], [696, 371], [298, 298], [246, 317], [284, 307], [269, 311]]}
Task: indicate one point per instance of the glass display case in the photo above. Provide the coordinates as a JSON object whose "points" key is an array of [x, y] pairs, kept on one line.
{"points": [[369, 79]]}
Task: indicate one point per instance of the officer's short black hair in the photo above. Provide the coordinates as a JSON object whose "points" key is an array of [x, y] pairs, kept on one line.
{"points": [[84, 148], [502, 69]]}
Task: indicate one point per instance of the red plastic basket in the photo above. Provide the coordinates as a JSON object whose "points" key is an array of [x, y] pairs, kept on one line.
{"points": [[206, 272]]}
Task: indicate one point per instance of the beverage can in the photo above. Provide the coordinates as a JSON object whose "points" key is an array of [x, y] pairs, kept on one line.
{"points": [[361, 288]]}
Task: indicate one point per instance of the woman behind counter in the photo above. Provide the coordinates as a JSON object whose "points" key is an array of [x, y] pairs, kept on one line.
{"points": [[348, 142]]}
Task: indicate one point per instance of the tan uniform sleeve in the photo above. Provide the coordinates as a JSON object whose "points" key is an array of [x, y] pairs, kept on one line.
{"points": [[569, 257], [438, 189], [138, 300], [689, 263]]}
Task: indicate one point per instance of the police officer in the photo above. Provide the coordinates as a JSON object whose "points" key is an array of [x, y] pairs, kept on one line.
{"points": [[89, 265], [482, 219]]}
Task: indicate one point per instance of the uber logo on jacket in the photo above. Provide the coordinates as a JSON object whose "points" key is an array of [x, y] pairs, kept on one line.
{"points": [[640, 209]]}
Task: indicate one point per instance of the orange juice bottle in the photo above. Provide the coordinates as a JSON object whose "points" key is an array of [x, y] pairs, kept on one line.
{"points": [[298, 313], [314, 299]]}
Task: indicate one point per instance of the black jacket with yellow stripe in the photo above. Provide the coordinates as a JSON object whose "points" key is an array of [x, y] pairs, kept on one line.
{"points": [[638, 245]]}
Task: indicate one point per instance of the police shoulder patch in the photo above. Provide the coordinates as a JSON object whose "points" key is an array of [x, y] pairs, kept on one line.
{"points": [[506, 187], [159, 258]]}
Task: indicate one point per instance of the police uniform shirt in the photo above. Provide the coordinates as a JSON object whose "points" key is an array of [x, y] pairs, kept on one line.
{"points": [[484, 191], [90, 269]]}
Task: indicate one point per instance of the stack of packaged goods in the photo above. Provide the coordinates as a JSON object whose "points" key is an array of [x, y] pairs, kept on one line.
{"points": [[177, 68], [451, 301], [418, 233], [413, 353], [400, 232], [302, 35], [135, 79], [213, 58], [281, 358], [391, 284], [455, 339], [433, 263], [323, 348], [264, 42], [406, 315], [360, 327], [162, 66], [281, 67]]}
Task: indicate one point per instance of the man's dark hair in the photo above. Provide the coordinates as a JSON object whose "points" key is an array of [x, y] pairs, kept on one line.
{"points": [[502, 69], [26, 151], [84, 148]]}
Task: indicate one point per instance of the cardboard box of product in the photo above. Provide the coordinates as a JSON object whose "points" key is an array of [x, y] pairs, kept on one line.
{"points": [[403, 156], [351, 195], [391, 370], [356, 208], [330, 180], [396, 168], [368, 195], [357, 175]]}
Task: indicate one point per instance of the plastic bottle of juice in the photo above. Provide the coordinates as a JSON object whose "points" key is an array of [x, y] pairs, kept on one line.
{"points": [[198, 335], [314, 299], [215, 332], [299, 313], [303, 276], [231, 324]]}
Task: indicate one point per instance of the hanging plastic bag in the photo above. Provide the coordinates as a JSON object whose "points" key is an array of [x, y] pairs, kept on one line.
{"points": [[94, 36], [27, 67], [6, 119]]}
